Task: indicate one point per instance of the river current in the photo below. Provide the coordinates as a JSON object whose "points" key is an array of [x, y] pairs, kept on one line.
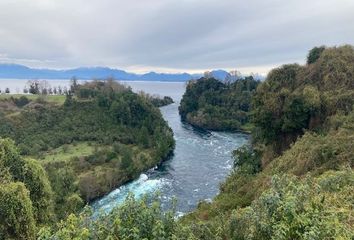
{"points": [[201, 160]]}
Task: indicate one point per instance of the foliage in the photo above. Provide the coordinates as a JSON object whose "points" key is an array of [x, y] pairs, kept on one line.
{"points": [[16, 212], [31, 173], [156, 100], [296, 182], [247, 158], [110, 115], [36, 181], [292, 185], [135, 219], [212, 104], [293, 209], [294, 98], [314, 54]]}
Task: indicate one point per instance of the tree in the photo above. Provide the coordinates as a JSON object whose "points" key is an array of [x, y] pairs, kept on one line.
{"points": [[208, 74], [16, 212], [315, 54], [68, 99], [44, 87], [36, 181], [295, 209], [32, 175], [60, 90], [33, 86], [232, 76], [134, 219], [74, 85], [127, 159]]}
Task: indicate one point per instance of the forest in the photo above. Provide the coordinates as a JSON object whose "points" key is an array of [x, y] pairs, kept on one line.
{"points": [[294, 180], [66, 154], [215, 105]]}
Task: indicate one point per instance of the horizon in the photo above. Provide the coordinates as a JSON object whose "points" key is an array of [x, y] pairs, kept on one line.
{"points": [[196, 72]]}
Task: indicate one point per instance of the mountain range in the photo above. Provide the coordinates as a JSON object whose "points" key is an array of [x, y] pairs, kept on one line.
{"points": [[23, 72], [16, 71]]}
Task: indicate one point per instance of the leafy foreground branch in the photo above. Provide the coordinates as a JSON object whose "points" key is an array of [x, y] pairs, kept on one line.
{"points": [[134, 219]]}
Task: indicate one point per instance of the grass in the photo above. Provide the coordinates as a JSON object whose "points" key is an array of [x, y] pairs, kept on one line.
{"points": [[58, 99], [67, 152]]}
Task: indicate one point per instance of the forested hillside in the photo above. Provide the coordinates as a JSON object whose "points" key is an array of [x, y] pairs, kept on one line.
{"points": [[211, 104], [102, 136], [295, 180]]}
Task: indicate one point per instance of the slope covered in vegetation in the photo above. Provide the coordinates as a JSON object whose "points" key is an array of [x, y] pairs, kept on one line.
{"points": [[211, 104], [101, 137], [296, 182]]}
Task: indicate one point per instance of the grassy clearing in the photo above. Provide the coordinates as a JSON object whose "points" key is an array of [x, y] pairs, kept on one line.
{"points": [[67, 152], [59, 99]]}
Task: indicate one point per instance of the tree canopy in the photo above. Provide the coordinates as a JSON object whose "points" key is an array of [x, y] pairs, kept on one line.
{"points": [[215, 105]]}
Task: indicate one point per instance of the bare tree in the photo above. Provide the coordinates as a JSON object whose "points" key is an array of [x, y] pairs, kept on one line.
{"points": [[33, 86], [208, 74], [44, 87], [232, 76], [60, 90]]}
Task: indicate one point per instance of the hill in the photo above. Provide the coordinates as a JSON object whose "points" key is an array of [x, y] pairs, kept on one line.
{"points": [[91, 142], [215, 105], [296, 180]]}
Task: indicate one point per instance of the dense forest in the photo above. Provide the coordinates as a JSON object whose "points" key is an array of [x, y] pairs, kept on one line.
{"points": [[295, 180], [215, 105], [101, 136]]}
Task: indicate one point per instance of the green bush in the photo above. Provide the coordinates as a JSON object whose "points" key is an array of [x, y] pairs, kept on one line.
{"points": [[31, 173], [299, 209], [134, 219], [16, 212]]}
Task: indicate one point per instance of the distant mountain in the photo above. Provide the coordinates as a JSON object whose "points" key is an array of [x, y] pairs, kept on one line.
{"points": [[23, 72], [219, 74], [20, 72]]}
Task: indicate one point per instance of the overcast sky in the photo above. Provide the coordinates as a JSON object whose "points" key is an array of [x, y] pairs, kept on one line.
{"points": [[170, 35]]}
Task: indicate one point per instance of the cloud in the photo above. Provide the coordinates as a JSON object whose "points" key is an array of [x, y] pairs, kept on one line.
{"points": [[184, 35]]}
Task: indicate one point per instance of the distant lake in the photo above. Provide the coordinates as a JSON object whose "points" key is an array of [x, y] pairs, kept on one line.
{"points": [[172, 89]]}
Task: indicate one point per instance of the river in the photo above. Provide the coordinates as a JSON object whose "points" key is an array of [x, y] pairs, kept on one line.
{"points": [[201, 160]]}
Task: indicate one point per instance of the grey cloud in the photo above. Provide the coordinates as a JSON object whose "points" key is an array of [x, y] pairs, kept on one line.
{"points": [[181, 35]]}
